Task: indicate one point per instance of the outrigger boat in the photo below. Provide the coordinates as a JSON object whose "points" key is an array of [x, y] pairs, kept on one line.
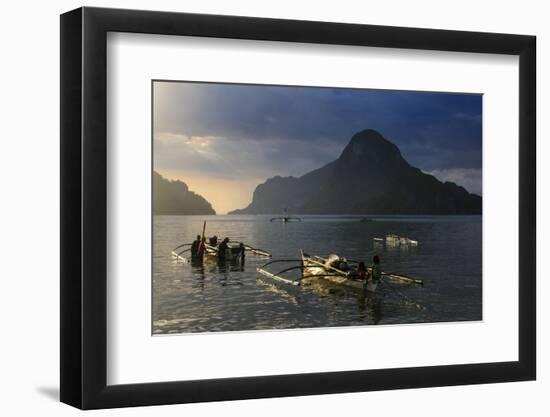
{"points": [[316, 267], [395, 240], [285, 218], [234, 251]]}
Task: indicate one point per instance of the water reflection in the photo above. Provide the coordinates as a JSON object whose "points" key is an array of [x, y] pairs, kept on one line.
{"points": [[371, 309], [287, 292], [199, 273], [229, 295]]}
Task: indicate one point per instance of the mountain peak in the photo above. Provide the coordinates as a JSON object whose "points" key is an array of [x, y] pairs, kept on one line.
{"points": [[368, 134], [370, 147], [370, 140]]}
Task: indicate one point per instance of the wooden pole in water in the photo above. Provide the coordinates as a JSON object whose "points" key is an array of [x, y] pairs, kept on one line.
{"points": [[202, 237]]}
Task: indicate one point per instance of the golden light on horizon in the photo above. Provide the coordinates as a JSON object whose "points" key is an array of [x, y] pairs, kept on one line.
{"points": [[223, 194]]}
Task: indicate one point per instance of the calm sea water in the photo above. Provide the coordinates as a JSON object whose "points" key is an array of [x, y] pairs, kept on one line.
{"points": [[212, 297]]}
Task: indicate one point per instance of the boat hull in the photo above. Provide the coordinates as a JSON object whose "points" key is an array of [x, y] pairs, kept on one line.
{"points": [[231, 253]]}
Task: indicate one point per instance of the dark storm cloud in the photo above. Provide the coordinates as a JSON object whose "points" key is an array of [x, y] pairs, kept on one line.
{"points": [[436, 132]]}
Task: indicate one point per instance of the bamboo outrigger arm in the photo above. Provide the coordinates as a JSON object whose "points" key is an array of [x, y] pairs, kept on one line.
{"points": [[404, 278], [277, 276], [255, 251], [286, 219], [279, 260], [181, 246], [258, 251]]}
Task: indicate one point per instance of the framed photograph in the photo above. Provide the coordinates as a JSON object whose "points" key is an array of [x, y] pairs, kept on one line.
{"points": [[257, 208]]}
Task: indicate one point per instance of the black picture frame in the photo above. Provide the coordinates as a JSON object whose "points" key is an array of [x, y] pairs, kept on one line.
{"points": [[84, 207]]}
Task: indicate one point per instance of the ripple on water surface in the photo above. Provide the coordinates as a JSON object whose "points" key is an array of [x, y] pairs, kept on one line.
{"points": [[212, 297]]}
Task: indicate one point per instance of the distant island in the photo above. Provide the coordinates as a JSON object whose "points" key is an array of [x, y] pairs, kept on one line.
{"points": [[369, 177], [175, 198]]}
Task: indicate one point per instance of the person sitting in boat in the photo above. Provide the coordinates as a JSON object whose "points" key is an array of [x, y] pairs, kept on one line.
{"points": [[338, 262], [362, 271], [223, 248], [214, 241], [195, 247], [376, 272], [332, 260], [343, 265]]}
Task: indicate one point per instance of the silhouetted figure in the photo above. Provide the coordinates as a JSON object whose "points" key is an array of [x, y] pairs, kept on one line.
{"points": [[376, 272], [242, 248], [214, 241], [361, 271], [222, 249], [343, 265], [195, 247], [202, 248]]}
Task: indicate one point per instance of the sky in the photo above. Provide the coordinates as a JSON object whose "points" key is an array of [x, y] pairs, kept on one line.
{"points": [[223, 140]]}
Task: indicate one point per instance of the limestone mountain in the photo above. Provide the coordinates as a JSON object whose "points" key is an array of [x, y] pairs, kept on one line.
{"points": [[370, 177], [174, 197]]}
